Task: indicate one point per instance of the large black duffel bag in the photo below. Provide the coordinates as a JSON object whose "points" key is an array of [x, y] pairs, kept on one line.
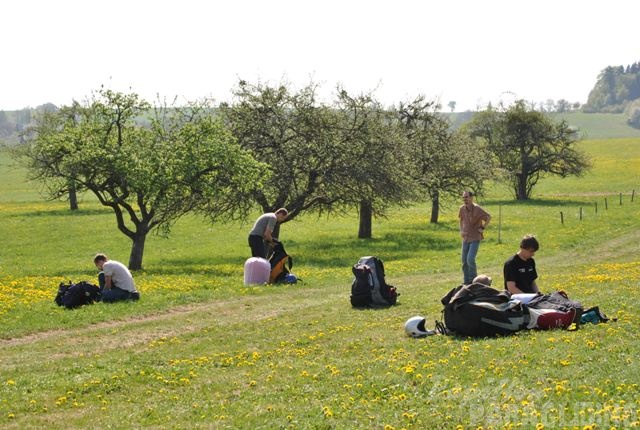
{"points": [[480, 311]]}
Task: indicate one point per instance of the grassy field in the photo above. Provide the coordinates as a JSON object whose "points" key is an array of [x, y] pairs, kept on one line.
{"points": [[201, 350], [600, 125]]}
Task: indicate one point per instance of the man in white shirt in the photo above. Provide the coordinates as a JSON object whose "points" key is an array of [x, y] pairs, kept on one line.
{"points": [[116, 281]]}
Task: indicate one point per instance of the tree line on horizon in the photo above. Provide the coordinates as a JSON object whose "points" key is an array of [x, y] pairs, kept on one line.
{"points": [[274, 146], [617, 90]]}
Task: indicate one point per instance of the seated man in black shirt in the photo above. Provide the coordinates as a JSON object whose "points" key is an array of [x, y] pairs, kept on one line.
{"points": [[520, 270]]}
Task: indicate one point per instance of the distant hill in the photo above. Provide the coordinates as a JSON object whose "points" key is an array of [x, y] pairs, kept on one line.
{"points": [[615, 88], [600, 125], [591, 125], [12, 123]]}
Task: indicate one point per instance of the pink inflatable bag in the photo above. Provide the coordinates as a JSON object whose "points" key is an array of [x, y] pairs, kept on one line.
{"points": [[256, 271]]}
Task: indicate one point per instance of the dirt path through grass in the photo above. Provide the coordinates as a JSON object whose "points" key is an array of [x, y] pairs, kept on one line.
{"points": [[140, 332]]}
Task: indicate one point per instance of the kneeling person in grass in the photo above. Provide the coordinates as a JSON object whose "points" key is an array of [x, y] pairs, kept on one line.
{"points": [[115, 279]]}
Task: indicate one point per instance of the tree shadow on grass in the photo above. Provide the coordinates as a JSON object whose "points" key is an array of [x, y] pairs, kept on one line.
{"points": [[540, 202], [402, 242], [60, 212], [375, 308]]}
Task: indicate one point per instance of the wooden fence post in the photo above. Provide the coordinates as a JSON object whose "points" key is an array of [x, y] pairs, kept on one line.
{"points": [[499, 223], [620, 199], [580, 213], [606, 206], [561, 218]]}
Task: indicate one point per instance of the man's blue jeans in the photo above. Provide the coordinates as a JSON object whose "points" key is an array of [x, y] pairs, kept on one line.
{"points": [[114, 294], [469, 252]]}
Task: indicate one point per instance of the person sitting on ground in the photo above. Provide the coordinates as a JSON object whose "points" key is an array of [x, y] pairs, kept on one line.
{"points": [[520, 269], [261, 235], [483, 279], [115, 279]]}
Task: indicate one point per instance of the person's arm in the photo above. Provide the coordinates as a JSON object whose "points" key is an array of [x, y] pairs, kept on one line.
{"points": [[511, 287], [487, 219], [510, 278], [534, 287], [483, 220], [267, 235], [107, 282], [268, 230]]}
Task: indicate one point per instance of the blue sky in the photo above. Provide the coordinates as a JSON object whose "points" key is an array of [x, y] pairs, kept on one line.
{"points": [[468, 51]]}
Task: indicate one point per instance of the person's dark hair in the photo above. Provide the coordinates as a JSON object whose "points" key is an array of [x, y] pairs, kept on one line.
{"points": [[470, 193], [529, 242], [482, 279], [283, 211], [100, 257]]}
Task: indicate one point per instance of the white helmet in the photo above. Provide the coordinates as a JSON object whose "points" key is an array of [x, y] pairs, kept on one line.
{"points": [[415, 327]]}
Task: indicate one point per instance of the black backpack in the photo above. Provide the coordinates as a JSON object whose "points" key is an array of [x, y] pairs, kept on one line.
{"points": [[74, 295], [480, 311], [281, 264], [369, 287]]}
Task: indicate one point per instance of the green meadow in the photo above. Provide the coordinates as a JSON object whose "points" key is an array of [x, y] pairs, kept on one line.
{"points": [[201, 350], [600, 125]]}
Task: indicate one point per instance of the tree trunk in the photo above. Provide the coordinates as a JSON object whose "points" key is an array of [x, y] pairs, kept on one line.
{"points": [[435, 207], [364, 232], [73, 197], [137, 251], [522, 188]]}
